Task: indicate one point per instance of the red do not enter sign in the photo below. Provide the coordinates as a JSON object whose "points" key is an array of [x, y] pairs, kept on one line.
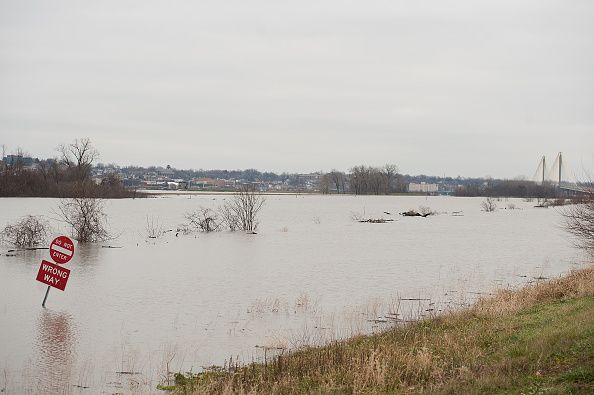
{"points": [[61, 250]]}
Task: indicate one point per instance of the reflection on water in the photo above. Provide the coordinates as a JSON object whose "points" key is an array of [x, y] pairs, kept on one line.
{"points": [[55, 345], [87, 255]]}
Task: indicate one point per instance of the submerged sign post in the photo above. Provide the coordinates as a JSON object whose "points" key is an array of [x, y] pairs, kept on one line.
{"points": [[61, 251]]}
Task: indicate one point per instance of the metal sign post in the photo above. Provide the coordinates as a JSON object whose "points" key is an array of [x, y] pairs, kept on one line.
{"points": [[45, 297]]}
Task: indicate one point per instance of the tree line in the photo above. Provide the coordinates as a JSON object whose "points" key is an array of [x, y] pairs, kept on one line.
{"points": [[507, 188], [69, 175], [66, 175], [364, 180]]}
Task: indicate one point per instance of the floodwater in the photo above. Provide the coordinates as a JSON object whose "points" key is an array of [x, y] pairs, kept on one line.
{"points": [[133, 313]]}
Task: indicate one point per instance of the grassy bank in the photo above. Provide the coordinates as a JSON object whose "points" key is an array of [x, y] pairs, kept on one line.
{"points": [[538, 339]]}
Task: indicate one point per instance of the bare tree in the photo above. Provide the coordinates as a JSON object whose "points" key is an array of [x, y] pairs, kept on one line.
{"points": [[228, 218], [391, 172], [359, 180], [244, 208], [378, 182], [579, 221], [204, 220], [55, 170], [79, 157], [86, 218], [489, 205], [338, 178], [368, 180], [324, 183], [29, 231]]}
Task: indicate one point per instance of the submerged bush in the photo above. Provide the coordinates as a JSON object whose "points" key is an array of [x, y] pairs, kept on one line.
{"points": [[154, 229], [203, 220], [239, 213], [29, 231]]}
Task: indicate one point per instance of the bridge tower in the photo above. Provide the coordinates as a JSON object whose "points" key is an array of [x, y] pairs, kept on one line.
{"points": [[554, 174], [560, 167], [541, 170]]}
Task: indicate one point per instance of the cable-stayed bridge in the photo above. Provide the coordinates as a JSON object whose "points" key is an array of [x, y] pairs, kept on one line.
{"points": [[558, 174]]}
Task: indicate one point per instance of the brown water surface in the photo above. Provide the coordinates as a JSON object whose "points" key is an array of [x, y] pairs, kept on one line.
{"points": [[179, 303]]}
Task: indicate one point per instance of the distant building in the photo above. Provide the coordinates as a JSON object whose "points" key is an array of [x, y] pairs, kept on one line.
{"points": [[177, 184], [20, 160], [422, 188], [205, 182]]}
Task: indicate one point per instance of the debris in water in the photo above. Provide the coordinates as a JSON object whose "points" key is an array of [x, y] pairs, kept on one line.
{"points": [[376, 221]]}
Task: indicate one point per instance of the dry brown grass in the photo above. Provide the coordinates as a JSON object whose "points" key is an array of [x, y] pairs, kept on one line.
{"points": [[507, 342], [576, 284]]}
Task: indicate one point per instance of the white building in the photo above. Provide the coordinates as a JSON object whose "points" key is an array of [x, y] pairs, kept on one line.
{"points": [[422, 187]]}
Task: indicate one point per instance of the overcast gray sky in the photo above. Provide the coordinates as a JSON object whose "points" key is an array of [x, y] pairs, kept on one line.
{"points": [[469, 88]]}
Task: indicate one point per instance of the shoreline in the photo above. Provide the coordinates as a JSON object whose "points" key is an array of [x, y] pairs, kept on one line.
{"points": [[536, 338], [299, 193]]}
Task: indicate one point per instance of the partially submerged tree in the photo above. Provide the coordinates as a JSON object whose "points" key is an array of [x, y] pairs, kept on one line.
{"points": [[29, 231], [243, 209], [86, 218], [489, 205], [579, 221]]}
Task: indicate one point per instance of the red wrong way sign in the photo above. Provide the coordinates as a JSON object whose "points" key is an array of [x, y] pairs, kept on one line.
{"points": [[53, 275], [61, 250]]}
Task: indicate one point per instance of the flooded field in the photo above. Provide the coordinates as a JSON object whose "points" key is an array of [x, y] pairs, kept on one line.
{"points": [[133, 313]]}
